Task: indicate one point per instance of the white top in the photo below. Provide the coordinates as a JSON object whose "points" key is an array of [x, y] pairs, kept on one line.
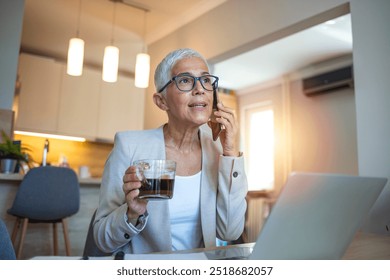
{"points": [[184, 209]]}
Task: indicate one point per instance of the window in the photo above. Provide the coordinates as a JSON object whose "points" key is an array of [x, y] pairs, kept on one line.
{"points": [[259, 146]]}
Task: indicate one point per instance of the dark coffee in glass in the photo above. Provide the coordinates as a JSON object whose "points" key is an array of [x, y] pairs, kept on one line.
{"points": [[157, 178], [157, 189]]}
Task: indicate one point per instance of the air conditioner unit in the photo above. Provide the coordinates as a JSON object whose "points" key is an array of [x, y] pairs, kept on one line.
{"points": [[328, 82]]}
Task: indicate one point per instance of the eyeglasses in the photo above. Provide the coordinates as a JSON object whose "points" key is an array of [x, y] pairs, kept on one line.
{"points": [[186, 82]]}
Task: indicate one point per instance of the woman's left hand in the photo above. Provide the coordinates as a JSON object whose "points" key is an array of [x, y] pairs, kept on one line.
{"points": [[228, 135]]}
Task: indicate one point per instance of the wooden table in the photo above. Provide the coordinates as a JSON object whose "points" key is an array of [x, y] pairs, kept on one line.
{"points": [[364, 246], [368, 246]]}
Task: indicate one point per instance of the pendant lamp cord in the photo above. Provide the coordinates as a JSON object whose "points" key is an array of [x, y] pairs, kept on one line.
{"points": [[113, 24], [78, 20], [144, 33]]}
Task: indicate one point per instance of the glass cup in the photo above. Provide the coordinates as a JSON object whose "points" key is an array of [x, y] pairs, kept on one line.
{"points": [[157, 178]]}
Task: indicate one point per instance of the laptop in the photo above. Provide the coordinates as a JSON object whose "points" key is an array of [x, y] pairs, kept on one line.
{"points": [[316, 216]]}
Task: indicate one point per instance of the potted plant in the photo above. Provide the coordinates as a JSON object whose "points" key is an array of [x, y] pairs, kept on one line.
{"points": [[11, 154]]}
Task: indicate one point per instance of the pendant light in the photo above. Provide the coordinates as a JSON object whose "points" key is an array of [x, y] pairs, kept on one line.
{"points": [[111, 57], [76, 52], [142, 65]]}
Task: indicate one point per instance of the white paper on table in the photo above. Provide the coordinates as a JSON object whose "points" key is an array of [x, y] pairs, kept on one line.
{"points": [[65, 258], [186, 256]]}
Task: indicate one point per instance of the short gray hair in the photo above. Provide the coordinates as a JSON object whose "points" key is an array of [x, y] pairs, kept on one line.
{"points": [[163, 71]]}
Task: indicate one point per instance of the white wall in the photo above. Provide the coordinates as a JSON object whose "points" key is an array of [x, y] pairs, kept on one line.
{"points": [[371, 48], [323, 131], [11, 19]]}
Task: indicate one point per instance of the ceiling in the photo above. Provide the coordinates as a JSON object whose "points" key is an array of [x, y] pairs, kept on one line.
{"points": [[49, 24], [325, 41]]}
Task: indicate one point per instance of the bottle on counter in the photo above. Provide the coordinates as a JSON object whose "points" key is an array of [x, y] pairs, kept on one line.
{"points": [[45, 151], [63, 161]]}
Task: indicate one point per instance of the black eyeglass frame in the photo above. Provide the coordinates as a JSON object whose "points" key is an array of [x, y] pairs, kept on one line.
{"points": [[214, 85]]}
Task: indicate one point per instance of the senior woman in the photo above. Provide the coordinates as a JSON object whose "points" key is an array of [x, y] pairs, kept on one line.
{"points": [[210, 183]]}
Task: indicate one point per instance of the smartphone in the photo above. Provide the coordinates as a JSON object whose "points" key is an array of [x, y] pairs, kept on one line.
{"points": [[216, 127]]}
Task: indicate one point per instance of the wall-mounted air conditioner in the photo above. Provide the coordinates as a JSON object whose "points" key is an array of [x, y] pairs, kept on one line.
{"points": [[329, 81]]}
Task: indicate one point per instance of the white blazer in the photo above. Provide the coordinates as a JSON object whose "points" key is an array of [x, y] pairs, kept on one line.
{"points": [[223, 191]]}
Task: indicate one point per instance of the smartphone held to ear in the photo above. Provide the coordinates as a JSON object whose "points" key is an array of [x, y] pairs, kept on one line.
{"points": [[216, 127]]}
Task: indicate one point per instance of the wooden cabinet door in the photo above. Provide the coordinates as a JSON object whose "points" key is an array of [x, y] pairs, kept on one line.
{"points": [[39, 94], [228, 101], [79, 104], [121, 108]]}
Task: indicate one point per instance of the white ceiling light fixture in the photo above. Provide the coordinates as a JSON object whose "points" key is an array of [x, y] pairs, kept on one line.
{"points": [[110, 64], [111, 57], [142, 65], [76, 52]]}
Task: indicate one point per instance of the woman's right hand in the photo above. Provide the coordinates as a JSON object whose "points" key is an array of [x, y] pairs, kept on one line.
{"points": [[131, 185]]}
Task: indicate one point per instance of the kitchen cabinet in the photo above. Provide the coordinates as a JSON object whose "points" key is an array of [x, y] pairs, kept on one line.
{"points": [[79, 104], [229, 100], [51, 101], [39, 94], [121, 108]]}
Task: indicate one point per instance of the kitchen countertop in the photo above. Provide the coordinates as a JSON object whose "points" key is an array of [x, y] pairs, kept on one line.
{"points": [[11, 176], [19, 177]]}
